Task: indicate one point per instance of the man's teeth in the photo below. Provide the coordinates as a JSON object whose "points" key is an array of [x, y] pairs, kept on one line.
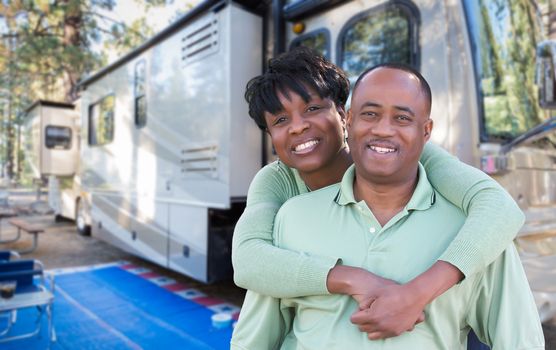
{"points": [[305, 145], [382, 149]]}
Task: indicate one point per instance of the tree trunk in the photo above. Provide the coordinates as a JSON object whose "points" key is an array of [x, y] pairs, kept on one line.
{"points": [[9, 116], [73, 21]]}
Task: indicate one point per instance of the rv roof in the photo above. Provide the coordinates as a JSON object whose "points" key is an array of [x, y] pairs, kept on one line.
{"points": [[50, 104], [188, 17]]}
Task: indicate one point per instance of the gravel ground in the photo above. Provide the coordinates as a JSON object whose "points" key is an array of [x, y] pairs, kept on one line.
{"points": [[60, 246]]}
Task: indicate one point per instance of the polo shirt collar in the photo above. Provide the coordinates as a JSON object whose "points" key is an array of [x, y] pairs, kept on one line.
{"points": [[422, 199]]}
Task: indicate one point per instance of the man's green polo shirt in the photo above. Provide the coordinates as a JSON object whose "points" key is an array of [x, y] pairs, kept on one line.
{"points": [[496, 303]]}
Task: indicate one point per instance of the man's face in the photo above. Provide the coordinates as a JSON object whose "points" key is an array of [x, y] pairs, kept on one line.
{"points": [[307, 136], [388, 125]]}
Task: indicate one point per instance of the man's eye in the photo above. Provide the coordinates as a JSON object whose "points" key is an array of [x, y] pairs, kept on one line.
{"points": [[369, 113], [403, 118]]}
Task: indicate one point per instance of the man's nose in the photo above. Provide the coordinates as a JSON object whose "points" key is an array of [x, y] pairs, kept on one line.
{"points": [[383, 127], [298, 124]]}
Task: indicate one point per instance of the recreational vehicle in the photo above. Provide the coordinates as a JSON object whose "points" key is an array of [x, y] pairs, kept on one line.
{"points": [[51, 142], [50, 138], [168, 149]]}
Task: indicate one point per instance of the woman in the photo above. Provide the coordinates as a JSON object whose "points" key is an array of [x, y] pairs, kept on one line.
{"points": [[300, 102]]}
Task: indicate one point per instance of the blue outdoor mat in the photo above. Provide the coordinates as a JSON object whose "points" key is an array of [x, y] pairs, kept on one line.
{"points": [[112, 308]]}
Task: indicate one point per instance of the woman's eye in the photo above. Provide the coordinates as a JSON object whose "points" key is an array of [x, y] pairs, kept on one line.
{"points": [[313, 108], [279, 120]]}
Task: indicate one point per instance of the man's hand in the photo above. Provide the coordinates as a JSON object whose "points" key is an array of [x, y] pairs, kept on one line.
{"points": [[389, 312]]}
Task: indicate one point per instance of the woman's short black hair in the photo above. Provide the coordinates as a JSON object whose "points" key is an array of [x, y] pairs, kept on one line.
{"points": [[297, 70]]}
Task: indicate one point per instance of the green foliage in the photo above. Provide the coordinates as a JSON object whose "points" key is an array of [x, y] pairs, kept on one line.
{"points": [[510, 32], [47, 46]]}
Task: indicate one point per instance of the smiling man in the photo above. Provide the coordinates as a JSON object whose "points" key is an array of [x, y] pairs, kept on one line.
{"points": [[385, 217]]}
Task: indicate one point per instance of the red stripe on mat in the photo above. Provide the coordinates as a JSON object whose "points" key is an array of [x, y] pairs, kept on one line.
{"points": [[128, 266], [175, 287], [208, 301], [149, 275]]}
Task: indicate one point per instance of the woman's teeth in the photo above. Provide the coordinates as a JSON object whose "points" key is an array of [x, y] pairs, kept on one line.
{"points": [[305, 145]]}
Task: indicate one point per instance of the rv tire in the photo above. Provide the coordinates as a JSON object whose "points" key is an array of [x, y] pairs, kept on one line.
{"points": [[82, 228]]}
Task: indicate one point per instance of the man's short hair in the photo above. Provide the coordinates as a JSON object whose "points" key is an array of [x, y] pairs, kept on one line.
{"points": [[425, 88], [297, 70]]}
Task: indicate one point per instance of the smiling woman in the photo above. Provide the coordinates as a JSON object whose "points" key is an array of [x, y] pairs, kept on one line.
{"points": [[308, 136]]}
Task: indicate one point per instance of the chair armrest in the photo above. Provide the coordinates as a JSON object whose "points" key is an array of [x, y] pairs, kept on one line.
{"points": [[5, 276], [7, 255]]}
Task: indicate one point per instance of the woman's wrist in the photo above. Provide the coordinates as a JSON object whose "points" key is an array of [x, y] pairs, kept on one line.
{"points": [[351, 280], [436, 280]]}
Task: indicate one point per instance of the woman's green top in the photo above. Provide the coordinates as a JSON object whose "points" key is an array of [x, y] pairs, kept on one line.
{"points": [[493, 220]]}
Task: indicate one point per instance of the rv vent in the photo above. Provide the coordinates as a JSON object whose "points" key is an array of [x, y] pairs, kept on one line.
{"points": [[200, 39], [200, 160]]}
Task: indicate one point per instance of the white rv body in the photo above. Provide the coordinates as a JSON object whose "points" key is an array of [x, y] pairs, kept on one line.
{"points": [[156, 189]]}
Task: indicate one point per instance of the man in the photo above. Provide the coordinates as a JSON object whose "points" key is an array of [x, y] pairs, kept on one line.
{"points": [[385, 217]]}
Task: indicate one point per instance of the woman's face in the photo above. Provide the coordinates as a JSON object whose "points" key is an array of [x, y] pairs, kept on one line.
{"points": [[307, 136]]}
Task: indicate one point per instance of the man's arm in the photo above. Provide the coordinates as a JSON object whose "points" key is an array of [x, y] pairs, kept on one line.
{"points": [[502, 311]]}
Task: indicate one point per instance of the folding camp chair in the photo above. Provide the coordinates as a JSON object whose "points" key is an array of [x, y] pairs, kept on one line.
{"points": [[30, 292], [7, 255]]}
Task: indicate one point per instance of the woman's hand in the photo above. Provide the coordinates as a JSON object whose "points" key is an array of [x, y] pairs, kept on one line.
{"points": [[389, 312], [394, 309], [360, 284], [386, 308]]}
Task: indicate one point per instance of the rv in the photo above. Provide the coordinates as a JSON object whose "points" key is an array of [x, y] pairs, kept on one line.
{"points": [[168, 149], [51, 132], [50, 138]]}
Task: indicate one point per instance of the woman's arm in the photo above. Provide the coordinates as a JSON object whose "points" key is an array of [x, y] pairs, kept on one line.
{"points": [[258, 264], [493, 217]]}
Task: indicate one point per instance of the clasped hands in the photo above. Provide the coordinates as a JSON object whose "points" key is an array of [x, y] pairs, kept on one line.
{"points": [[388, 311]]}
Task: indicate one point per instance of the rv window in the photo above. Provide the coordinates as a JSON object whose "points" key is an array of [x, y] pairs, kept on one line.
{"points": [[383, 34], [140, 94], [318, 40], [504, 36], [57, 137], [101, 121]]}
